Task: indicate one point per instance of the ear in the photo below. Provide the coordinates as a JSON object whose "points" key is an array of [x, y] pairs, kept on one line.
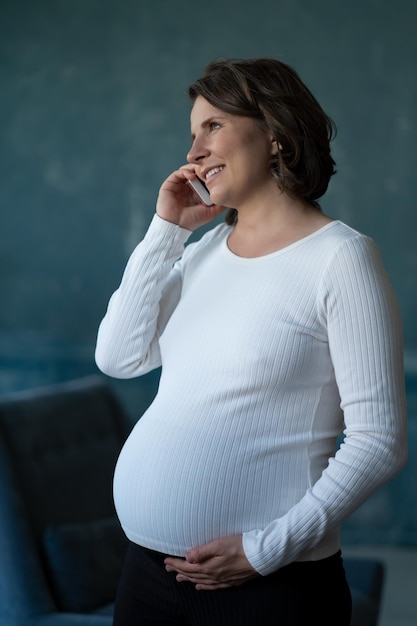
{"points": [[276, 147]]}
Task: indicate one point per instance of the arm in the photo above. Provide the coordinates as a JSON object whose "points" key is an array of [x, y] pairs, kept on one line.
{"points": [[363, 323], [128, 336], [127, 340]]}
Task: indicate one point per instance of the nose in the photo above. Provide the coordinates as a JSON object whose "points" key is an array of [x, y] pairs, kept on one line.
{"points": [[197, 151]]}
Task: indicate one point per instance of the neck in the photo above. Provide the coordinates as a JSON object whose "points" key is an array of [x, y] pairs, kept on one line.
{"points": [[273, 224], [275, 212]]}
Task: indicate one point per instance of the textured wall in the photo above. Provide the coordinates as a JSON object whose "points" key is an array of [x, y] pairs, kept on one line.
{"points": [[94, 115]]}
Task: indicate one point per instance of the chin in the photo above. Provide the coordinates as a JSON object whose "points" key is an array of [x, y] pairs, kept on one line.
{"points": [[216, 198]]}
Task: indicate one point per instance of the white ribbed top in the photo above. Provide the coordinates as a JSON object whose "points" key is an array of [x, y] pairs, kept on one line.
{"points": [[263, 359]]}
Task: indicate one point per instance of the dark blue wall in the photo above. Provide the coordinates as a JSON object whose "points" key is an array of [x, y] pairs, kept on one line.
{"points": [[94, 115]]}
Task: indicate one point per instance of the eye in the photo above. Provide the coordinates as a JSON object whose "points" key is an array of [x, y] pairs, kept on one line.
{"points": [[214, 125]]}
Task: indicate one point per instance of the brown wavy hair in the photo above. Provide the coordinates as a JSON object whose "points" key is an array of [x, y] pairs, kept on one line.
{"points": [[272, 93]]}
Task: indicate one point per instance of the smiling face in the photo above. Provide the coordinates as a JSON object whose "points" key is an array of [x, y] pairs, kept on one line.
{"points": [[231, 154]]}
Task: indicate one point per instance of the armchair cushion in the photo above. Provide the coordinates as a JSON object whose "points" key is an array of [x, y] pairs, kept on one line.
{"points": [[84, 561]]}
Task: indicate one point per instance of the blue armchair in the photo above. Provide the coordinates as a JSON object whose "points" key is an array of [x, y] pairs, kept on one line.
{"points": [[61, 546]]}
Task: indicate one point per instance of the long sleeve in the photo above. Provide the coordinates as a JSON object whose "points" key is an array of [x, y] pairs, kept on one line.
{"points": [[360, 316], [128, 336]]}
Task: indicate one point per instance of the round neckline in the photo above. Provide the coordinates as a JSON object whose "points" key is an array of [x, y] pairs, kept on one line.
{"points": [[271, 255]]}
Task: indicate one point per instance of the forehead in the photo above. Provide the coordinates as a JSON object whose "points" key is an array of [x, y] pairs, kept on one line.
{"points": [[202, 111]]}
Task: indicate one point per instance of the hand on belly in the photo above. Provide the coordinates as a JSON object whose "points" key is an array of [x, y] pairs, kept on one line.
{"points": [[216, 565]]}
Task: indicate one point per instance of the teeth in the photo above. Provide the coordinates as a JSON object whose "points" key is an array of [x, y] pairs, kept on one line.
{"points": [[213, 171]]}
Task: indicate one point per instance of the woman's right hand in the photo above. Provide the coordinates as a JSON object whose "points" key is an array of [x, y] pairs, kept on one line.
{"points": [[179, 204]]}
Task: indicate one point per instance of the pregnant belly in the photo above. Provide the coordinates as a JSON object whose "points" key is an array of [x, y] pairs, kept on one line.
{"points": [[176, 488]]}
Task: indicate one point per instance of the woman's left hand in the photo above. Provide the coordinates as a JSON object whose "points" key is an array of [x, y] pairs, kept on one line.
{"points": [[216, 565]]}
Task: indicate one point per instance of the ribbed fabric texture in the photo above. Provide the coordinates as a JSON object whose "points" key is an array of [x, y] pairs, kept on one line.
{"points": [[263, 361]]}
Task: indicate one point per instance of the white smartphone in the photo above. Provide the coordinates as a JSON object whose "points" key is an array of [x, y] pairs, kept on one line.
{"points": [[201, 191]]}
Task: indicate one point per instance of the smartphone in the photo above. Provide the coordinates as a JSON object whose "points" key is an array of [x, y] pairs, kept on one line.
{"points": [[201, 191]]}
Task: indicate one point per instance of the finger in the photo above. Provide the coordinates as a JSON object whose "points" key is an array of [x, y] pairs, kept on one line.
{"points": [[223, 584], [185, 172], [174, 563], [211, 577], [203, 580], [189, 571], [188, 171], [205, 552], [202, 566]]}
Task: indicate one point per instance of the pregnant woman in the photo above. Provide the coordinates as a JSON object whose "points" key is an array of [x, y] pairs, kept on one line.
{"points": [[277, 332]]}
